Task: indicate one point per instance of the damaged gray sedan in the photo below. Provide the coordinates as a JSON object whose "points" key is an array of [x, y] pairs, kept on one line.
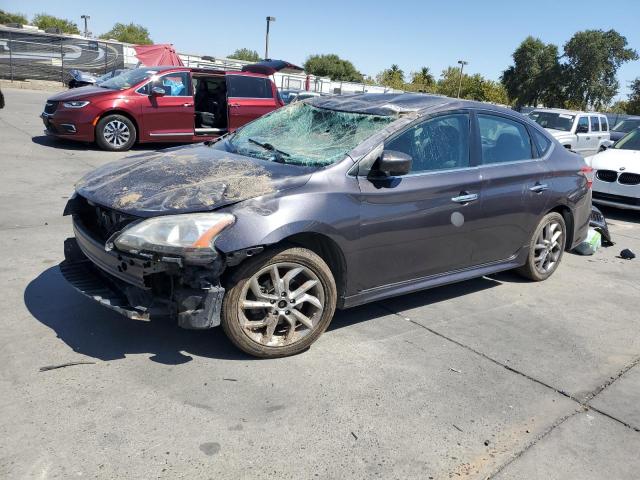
{"points": [[329, 203]]}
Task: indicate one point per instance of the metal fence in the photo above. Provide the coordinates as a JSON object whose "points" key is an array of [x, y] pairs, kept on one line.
{"points": [[40, 56]]}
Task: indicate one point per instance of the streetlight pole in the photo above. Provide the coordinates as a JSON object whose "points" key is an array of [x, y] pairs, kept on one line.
{"points": [[462, 64], [86, 29], [266, 43]]}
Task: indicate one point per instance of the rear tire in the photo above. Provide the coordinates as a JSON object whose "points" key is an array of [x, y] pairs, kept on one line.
{"points": [[115, 133], [545, 248], [279, 303]]}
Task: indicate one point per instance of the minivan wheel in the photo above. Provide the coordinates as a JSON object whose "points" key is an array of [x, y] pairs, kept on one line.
{"points": [[116, 133], [546, 248], [279, 303]]}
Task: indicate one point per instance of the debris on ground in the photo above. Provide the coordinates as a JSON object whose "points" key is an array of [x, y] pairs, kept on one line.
{"points": [[627, 254], [354, 435], [591, 244], [63, 365], [486, 443], [457, 427], [599, 224], [230, 379], [454, 370]]}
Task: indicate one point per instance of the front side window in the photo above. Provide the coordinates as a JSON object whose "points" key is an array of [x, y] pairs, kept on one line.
{"points": [[583, 125], [503, 140], [302, 134], [439, 143], [595, 124], [244, 86], [174, 84]]}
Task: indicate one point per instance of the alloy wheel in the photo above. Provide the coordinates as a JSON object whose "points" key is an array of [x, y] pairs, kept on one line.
{"points": [[548, 247], [281, 304], [116, 133]]}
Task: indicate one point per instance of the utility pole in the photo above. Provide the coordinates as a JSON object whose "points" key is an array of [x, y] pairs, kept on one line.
{"points": [[462, 64], [86, 29], [266, 43]]}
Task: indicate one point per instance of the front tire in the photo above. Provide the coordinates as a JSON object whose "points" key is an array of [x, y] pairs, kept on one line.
{"points": [[115, 133], [279, 303], [546, 248]]}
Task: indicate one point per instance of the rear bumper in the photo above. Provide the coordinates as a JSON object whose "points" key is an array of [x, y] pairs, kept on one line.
{"points": [[142, 288]]}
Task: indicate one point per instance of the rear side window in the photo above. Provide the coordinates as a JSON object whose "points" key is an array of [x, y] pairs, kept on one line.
{"points": [[503, 140], [542, 142], [604, 124], [439, 143], [241, 86], [595, 124]]}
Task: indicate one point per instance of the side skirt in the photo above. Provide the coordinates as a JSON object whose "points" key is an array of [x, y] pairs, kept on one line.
{"points": [[403, 288]]}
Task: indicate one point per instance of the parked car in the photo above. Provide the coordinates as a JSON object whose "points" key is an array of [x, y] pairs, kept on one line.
{"points": [[624, 126], [289, 96], [168, 104], [331, 202], [616, 180], [78, 78], [584, 133]]}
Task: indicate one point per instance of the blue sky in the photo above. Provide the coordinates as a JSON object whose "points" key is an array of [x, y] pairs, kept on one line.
{"points": [[373, 35]]}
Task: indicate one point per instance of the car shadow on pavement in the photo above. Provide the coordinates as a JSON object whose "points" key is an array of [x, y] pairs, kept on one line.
{"points": [[98, 332], [613, 214], [61, 143]]}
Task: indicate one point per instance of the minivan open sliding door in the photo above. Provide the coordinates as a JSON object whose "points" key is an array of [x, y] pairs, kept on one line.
{"points": [[248, 97]]}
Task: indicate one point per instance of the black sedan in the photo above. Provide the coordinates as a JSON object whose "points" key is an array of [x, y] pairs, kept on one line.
{"points": [[328, 203]]}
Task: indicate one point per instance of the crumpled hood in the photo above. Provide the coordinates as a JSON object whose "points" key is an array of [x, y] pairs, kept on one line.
{"points": [[81, 93], [186, 179]]}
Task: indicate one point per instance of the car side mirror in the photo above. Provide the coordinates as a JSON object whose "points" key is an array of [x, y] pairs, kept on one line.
{"points": [[157, 92], [393, 163], [582, 129]]}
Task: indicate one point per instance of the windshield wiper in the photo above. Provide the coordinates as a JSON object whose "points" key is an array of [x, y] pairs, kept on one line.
{"points": [[267, 146]]}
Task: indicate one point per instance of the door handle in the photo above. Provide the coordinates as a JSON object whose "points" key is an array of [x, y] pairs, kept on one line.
{"points": [[465, 197], [187, 104], [588, 138], [234, 104], [539, 188]]}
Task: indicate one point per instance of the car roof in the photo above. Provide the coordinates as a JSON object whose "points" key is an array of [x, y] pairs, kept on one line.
{"points": [[164, 68], [568, 112], [387, 104]]}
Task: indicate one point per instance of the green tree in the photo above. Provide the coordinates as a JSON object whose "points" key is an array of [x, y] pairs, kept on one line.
{"points": [[332, 66], [471, 85], [6, 17], [392, 77], [245, 54], [621, 106], [422, 81], [592, 61], [130, 33], [536, 74], [633, 104], [44, 21]]}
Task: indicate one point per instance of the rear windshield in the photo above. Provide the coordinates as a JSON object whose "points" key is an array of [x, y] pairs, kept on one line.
{"points": [[302, 134], [554, 120], [128, 79], [631, 141]]}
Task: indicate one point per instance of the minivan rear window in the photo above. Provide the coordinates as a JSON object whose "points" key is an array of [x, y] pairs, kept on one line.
{"points": [[243, 86]]}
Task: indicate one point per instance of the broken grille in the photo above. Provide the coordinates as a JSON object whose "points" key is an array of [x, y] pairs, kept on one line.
{"points": [[102, 222]]}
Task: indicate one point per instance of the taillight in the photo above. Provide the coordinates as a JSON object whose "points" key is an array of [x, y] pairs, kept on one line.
{"points": [[587, 171]]}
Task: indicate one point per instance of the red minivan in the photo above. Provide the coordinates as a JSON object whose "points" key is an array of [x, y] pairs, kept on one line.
{"points": [[164, 104]]}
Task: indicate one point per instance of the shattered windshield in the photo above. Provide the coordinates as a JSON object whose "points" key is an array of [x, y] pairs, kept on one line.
{"points": [[128, 79], [553, 120], [302, 134]]}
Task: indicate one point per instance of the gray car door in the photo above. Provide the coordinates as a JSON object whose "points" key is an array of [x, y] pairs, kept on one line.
{"points": [[421, 224], [514, 189]]}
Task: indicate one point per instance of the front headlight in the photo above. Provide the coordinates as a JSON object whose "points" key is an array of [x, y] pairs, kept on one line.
{"points": [[75, 104], [190, 236]]}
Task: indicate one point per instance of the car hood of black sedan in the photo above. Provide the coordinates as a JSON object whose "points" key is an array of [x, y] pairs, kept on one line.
{"points": [[186, 179]]}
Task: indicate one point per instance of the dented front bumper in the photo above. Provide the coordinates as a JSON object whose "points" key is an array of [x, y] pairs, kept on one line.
{"points": [[141, 288]]}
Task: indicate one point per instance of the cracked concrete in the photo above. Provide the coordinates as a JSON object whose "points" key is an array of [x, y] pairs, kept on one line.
{"points": [[491, 378]]}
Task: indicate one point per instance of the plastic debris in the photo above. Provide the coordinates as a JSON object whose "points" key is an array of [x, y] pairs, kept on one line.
{"points": [[599, 223], [627, 254], [591, 244], [62, 365]]}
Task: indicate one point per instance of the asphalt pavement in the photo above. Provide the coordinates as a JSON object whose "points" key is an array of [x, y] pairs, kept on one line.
{"points": [[492, 378]]}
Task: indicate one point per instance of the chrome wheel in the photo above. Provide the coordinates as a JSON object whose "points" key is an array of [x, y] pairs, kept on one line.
{"points": [[116, 133], [548, 247], [281, 304]]}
